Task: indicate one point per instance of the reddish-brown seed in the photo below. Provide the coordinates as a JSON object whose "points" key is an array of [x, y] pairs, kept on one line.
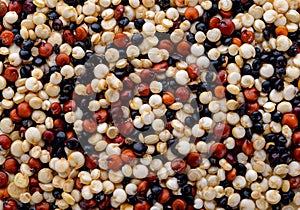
{"points": [[42, 206], [70, 134], [24, 110], [68, 37], [58, 124], [3, 9], [127, 83], [167, 45], [3, 179], [294, 182], [191, 13], [100, 116], [143, 89], [11, 74], [88, 204], [217, 150], [164, 196], [119, 11], [33, 181], [226, 27], [160, 67], [193, 71], [15, 6], [45, 49], [7, 37], [152, 177], [252, 107], [119, 140], [296, 110], [35, 189], [247, 147], [5, 141], [55, 108], [182, 94], [121, 40], [142, 188], [231, 175], [290, 120], [222, 130], [222, 77], [251, 94], [115, 113], [128, 156], [296, 138], [230, 158], [220, 91], [35, 164], [125, 128], [168, 98], [62, 59], [296, 154], [89, 126], [89, 90], [4, 193], [91, 161], [179, 204], [183, 48], [78, 184], [11, 165], [80, 33], [214, 22], [178, 165], [281, 30], [14, 116], [236, 41], [225, 14], [146, 75], [143, 205], [69, 106], [194, 159], [114, 162], [10, 205], [103, 205], [247, 36]]}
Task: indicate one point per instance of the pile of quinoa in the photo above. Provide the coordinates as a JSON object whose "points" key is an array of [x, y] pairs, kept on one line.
{"points": [[149, 105]]}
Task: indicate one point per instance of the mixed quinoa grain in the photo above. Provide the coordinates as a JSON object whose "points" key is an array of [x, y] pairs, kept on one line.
{"points": [[152, 105]]}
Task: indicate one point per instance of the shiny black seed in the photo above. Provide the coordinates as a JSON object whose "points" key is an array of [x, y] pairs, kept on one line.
{"points": [[186, 189], [276, 117], [28, 44], [266, 86], [201, 27], [256, 116], [24, 54], [57, 193], [156, 190], [138, 23], [137, 39], [292, 51], [72, 144], [182, 179], [124, 21], [52, 15], [38, 61], [99, 197], [96, 27], [190, 37], [279, 85], [258, 128], [246, 69], [139, 148]]}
